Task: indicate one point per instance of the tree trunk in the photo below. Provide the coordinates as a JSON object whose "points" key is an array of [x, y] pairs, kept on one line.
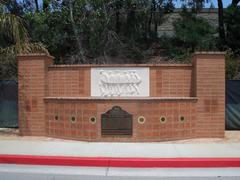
{"points": [[150, 18], [118, 25], [221, 22], [45, 5], [78, 40], [155, 18], [36, 4], [235, 2], [130, 30]]}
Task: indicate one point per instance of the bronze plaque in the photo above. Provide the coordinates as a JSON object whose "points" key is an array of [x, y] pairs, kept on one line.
{"points": [[116, 121]]}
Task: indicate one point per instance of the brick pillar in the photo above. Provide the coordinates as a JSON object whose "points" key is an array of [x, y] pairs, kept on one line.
{"points": [[32, 83], [209, 71]]}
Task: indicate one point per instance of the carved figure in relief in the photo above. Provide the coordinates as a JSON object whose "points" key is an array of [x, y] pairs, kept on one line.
{"points": [[104, 77], [117, 83]]}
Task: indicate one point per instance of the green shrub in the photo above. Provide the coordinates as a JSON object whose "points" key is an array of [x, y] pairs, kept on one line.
{"points": [[232, 23], [232, 66], [190, 34]]}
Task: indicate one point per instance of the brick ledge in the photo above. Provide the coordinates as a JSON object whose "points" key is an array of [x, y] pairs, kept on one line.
{"points": [[125, 98], [118, 65]]}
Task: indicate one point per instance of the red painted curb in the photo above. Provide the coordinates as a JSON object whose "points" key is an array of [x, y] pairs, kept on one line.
{"points": [[121, 162]]}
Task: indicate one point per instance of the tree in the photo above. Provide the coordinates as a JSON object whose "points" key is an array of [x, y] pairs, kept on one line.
{"points": [[221, 29], [195, 5], [36, 5], [232, 22], [46, 4], [15, 36], [14, 40], [235, 3], [12, 6], [190, 34]]}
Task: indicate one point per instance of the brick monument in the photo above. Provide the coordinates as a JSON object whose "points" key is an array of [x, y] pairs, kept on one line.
{"points": [[124, 102]]}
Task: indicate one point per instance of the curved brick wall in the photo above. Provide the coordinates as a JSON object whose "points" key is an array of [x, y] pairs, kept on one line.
{"points": [[151, 130], [195, 91]]}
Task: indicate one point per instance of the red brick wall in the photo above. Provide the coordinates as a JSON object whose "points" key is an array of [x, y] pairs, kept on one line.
{"points": [[63, 127], [172, 81], [165, 81], [67, 82], [32, 76], [210, 90], [195, 91], [151, 130]]}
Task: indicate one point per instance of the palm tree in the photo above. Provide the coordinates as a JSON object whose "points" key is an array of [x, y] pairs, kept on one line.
{"points": [[12, 27], [14, 40]]}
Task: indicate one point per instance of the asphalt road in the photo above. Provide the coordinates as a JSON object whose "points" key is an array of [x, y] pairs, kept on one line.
{"points": [[36, 172]]}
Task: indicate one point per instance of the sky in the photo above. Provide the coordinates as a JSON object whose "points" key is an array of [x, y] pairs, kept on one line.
{"points": [[214, 2]]}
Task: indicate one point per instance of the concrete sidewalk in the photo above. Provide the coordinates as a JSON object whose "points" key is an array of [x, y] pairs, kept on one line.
{"points": [[197, 149], [109, 149]]}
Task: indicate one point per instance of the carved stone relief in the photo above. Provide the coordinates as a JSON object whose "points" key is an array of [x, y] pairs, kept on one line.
{"points": [[119, 82]]}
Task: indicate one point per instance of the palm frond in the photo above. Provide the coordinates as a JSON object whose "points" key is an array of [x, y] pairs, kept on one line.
{"points": [[24, 48], [12, 26]]}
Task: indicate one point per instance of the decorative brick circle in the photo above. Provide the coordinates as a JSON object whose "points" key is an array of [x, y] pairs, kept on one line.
{"points": [[93, 119], [163, 119], [141, 119], [73, 119], [56, 117], [182, 119]]}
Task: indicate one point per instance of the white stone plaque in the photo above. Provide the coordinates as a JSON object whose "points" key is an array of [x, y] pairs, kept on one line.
{"points": [[120, 82]]}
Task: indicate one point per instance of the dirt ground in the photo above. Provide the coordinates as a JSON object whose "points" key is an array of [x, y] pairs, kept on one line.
{"points": [[230, 137]]}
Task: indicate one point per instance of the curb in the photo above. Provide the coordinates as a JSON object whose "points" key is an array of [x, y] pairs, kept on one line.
{"points": [[121, 162]]}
